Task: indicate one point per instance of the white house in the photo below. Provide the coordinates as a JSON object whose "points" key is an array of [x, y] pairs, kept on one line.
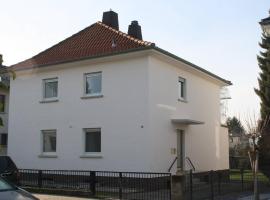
{"points": [[105, 100]]}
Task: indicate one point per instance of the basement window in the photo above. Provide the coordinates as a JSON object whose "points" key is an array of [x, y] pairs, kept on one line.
{"points": [[49, 141], [92, 140]]}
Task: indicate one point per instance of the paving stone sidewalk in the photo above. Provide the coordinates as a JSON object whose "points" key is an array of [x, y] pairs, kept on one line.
{"points": [[262, 197], [56, 197]]}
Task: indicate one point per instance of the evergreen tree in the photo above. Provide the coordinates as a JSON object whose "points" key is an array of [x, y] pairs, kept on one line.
{"points": [[264, 93], [234, 126], [264, 77]]}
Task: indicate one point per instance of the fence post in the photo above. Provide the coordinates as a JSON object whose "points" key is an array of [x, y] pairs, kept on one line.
{"points": [[211, 185], [120, 185], [219, 182], [191, 184], [242, 178], [40, 178], [93, 182]]}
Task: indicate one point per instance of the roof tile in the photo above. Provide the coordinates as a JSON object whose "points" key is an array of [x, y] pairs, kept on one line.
{"points": [[95, 40]]}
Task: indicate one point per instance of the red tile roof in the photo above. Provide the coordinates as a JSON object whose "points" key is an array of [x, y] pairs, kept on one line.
{"points": [[95, 40]]}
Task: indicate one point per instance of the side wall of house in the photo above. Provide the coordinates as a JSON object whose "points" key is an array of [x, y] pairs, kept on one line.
{"points": [[207, 144], [121, 114]]}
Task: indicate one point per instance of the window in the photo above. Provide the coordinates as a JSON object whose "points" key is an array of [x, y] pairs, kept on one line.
{"points": [[92, 140], [182, 88], [4, 139], [50, 88], [93, 84], [49, 141], [2, 103]]}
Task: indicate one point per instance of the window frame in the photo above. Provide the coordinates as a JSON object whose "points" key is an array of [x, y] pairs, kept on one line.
{"points": [[91, 154], [182, 88], [90, 74], [48, 80], [44, 153]]}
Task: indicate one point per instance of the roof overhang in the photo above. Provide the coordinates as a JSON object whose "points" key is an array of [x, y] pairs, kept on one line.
{"points": [[152, 48], [186, 122], [193, 67]]}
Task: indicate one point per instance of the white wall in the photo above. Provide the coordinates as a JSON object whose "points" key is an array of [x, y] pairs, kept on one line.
{"points": [[121, 114], [140, 99], [203, 143]]}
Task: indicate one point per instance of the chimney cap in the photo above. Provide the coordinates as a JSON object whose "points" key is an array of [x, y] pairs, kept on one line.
{"points": [[135, 22]]}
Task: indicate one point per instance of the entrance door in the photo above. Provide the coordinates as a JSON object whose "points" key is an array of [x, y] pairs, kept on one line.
{"points": [[180, 150]]}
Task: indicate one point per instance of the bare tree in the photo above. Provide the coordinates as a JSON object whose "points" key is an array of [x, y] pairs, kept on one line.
{"points": [[255, 129]]}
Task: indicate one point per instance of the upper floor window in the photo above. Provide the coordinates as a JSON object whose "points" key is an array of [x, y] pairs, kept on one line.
{"points": [[2, 103], [181, 88], [93, 84], [50, 88]]}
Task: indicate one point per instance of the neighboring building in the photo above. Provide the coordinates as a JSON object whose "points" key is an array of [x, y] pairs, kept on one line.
{"points": [[239, 141], [4, 99], [105, 100]]}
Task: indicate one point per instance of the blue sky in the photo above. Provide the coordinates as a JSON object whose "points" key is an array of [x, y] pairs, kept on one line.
{"points": [[219, 35]]}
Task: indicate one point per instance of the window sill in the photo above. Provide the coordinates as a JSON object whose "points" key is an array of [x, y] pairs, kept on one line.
{"points": [[183, 100], [92, 96], [91, 156], [47, 156], [49, 101]]}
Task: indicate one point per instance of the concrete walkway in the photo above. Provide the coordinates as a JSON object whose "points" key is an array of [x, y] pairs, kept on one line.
{"points": [[262, 197], [56, 197]]}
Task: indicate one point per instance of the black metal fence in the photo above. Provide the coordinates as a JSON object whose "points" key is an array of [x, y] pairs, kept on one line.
{"points": [[122, 185], [214, 184]]}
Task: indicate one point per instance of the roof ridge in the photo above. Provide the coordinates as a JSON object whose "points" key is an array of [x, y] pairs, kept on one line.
{"points": [[126, 35]]}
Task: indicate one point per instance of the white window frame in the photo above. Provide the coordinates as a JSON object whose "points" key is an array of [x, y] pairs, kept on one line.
{"points": [[91, 74], [180, 82], [91, 154], [48, 80], [44, 154]]}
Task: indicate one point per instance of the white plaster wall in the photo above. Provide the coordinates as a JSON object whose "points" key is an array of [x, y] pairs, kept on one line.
{"points": [[121, 114], [140, 98], [203, 142], [224, 148]]}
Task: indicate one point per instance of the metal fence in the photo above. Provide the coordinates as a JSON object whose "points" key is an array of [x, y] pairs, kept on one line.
{"points": [[214, 184], [122, 185]]}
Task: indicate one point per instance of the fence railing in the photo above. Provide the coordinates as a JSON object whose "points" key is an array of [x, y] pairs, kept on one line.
{"points": [[211, 184], [122, 185]]}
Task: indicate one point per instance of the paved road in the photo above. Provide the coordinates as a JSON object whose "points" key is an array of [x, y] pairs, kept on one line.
{"points": [[55, 197]]}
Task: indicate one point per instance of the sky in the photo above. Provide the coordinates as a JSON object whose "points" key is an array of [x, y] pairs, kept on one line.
{"points": [[221, 36]]}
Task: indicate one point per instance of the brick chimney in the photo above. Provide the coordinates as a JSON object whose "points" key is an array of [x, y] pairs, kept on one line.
{"points": [[134, 30], [110, 18]]}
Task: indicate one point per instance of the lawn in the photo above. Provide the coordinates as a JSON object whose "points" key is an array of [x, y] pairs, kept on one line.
{"points": [[235, 174]]}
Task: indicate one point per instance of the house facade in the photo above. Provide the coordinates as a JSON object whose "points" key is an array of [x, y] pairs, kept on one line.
{"points": [[106, 100]]}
